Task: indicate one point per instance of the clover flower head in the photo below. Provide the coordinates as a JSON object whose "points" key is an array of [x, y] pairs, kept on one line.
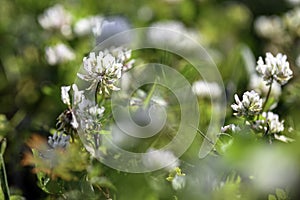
{"points": [[274, 68], [59, 141], [56, 17], [103, 69], [273, 123], [250, 105]]}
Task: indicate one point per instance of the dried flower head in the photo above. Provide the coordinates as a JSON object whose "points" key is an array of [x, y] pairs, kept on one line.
{"points": [[59, 141], [274, 68]]}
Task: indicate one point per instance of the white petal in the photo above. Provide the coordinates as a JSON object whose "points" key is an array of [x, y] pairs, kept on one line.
{"points": [[65, 95]]}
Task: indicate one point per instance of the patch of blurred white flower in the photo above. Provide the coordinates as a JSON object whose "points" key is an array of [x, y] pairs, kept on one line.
{"points": [[173, 34], [270, 167], [297, 61], [206, 89], [271, 27], [293, 2], [178, 182], [158, 158], [145, 13], [59, 53], [230, 128], [258, 84], [292, 20], [56, 18], [88, 25]]}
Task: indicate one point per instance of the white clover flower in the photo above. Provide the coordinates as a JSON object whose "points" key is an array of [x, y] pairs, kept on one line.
{"points": [[58, 18], [274, 68], [206, 89], [96, 111], [273, 123], [250, 105], [157, 159], [59, 53], [105, 69], [77, 95], [122, 55], [258, 84], [59, 141], [88, 25], [258, 125], [87, 112]]}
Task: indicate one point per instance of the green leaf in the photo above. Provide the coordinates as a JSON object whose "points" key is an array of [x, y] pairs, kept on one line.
{"points": [[150, 94], [16, 197], [271, 104], [1, 194], [272, 197], [102, 182], [105, 132], [281, 194]]}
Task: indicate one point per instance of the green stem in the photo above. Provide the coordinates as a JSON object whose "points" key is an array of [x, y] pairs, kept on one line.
{"points": [[96, 93], [268, 95], [3, 177]]}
